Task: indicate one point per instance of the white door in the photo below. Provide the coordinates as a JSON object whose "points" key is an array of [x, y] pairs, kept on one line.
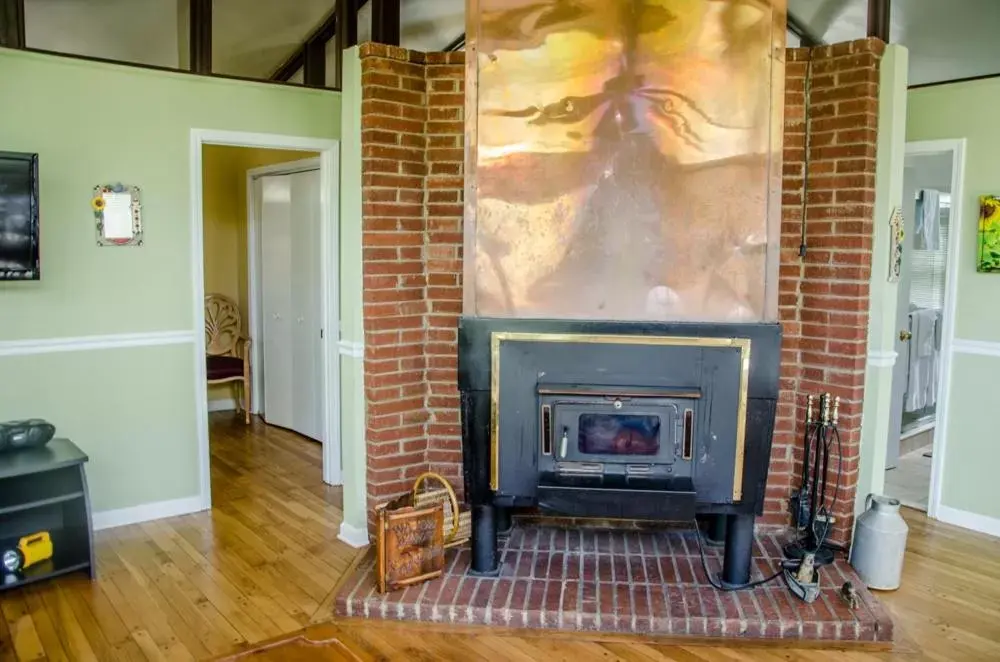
{"points": [[306, 303], [290, 300], [902, 347]]}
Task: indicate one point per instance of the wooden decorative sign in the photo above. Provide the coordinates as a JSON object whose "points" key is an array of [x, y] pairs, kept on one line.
{"points": [[896, 236], [409, 544]]}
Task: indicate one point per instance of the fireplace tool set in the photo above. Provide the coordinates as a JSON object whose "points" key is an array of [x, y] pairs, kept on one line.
{"points": [[814, 502]]}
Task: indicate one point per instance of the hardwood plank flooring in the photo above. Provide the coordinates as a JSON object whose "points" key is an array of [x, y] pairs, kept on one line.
{"points": [[260, 564], [255, 576]]}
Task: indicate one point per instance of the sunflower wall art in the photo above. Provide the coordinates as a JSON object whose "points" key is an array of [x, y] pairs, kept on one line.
{"points": [[117, 215], [989, 234]]}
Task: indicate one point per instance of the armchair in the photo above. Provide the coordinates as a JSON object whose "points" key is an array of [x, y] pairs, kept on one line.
{"points": [[227, 347]]}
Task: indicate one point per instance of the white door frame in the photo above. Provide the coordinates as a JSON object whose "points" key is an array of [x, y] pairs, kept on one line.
{"points": [[329, 151], [256, 322], [940, 437]]}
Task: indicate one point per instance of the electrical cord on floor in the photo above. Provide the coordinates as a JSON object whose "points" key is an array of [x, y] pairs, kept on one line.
{"points": [[736, 587]]}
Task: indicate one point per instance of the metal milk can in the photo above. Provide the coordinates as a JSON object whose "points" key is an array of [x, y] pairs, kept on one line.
{"points": [[879, 543]]}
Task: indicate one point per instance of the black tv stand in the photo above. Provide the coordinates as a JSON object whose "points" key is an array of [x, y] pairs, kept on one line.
{"points": [[45, 489]]}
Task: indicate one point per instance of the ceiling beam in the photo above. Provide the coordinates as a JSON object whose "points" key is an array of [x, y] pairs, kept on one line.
{"points": [[385, 22], [326, 30], [314, 63], [12, 23], [807, 37], [346, 36], [457, 44], [200, 42], [879, 12]]}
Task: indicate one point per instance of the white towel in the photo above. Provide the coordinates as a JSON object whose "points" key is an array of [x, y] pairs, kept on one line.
{"points": [[922, 361], [928, 234]]}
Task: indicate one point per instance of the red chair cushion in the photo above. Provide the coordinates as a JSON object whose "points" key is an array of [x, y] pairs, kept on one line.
{"points": [[224, 367]]}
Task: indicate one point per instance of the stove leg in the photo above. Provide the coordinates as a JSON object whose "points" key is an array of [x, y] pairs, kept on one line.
{"points": [[739, 550], [484, 541], [504, 521]]}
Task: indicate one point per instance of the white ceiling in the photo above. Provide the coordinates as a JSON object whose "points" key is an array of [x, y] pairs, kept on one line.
{"points": [[947, 39], [250, 37]]}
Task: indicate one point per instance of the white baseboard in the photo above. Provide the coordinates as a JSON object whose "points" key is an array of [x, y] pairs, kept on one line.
{"points": [[107, 519], [965, 519], [223, 404], [352, 535]]}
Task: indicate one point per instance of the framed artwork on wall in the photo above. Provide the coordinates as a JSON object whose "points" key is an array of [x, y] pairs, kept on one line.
{"points": [[988, 255], [117, 215]]}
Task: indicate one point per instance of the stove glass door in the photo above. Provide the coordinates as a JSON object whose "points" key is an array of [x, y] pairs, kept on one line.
{"points": [[618, 434]]}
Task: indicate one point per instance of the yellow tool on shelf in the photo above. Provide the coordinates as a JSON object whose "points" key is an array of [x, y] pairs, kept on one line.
{"points": [[30, 550]]}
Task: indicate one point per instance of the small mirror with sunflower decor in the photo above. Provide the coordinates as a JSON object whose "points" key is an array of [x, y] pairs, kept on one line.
{"points": [[117, 215]]}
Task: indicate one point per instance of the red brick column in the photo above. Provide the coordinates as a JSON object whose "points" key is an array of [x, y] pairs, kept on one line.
{"points": [[412, 184], [394, 112], [445, 74], [823, 296]]}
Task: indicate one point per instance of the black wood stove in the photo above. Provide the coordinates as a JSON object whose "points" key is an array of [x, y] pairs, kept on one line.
{"points": [[617, 420]]}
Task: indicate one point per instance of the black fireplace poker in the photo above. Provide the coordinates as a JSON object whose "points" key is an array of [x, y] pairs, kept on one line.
{"points": [[812, 505]]}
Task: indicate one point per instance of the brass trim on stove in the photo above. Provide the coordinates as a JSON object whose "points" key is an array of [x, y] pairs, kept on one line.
{"points": [[610, 393], [743, 344]]}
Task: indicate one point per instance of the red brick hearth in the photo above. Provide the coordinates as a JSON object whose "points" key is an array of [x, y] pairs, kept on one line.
{"points": [[413, 152], [629, 582]]}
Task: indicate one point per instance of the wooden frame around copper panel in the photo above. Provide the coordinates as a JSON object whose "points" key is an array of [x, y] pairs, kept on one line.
{"points": [[743, 344], [471, 156], [775, 160]]}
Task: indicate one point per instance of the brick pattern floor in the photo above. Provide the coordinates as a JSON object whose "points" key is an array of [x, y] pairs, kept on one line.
{"points": [[621, 581]]}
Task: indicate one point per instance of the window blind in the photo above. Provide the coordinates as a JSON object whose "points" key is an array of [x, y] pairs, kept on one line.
{"points": [[928, 268]]}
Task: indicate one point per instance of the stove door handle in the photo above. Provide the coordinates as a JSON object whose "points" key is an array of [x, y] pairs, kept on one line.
{"points": [[564, 444]]}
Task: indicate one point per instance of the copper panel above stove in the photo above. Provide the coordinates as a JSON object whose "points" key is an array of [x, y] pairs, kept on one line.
{"points": [[624, 158]]}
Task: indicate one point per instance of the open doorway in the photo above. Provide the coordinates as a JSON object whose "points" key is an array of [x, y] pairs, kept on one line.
{"points": [[265, 249], [924, 318]]}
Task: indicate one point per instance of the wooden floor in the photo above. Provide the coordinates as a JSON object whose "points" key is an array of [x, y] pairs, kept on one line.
{"points": [[262, 563], [261, 567], [948, 609]]}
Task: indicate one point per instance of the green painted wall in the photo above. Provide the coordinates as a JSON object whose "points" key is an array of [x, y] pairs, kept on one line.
{"points": [[973, 454], [141, 137], [968, 110], [132, 410]]}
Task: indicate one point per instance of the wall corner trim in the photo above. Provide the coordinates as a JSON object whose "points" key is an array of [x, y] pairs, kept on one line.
{"points": [[353, 349], [107, 519], [969, 520], [881, 359], [352, 535]]}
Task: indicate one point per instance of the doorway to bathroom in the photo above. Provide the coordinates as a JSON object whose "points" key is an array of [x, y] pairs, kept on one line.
{"points": [[923, 321]]}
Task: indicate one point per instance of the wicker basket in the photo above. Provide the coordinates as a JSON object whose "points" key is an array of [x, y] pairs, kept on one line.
{"points": [[457, 519]]}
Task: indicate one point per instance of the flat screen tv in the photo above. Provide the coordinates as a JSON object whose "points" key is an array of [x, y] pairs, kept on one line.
{"points": [[19, 255]]}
